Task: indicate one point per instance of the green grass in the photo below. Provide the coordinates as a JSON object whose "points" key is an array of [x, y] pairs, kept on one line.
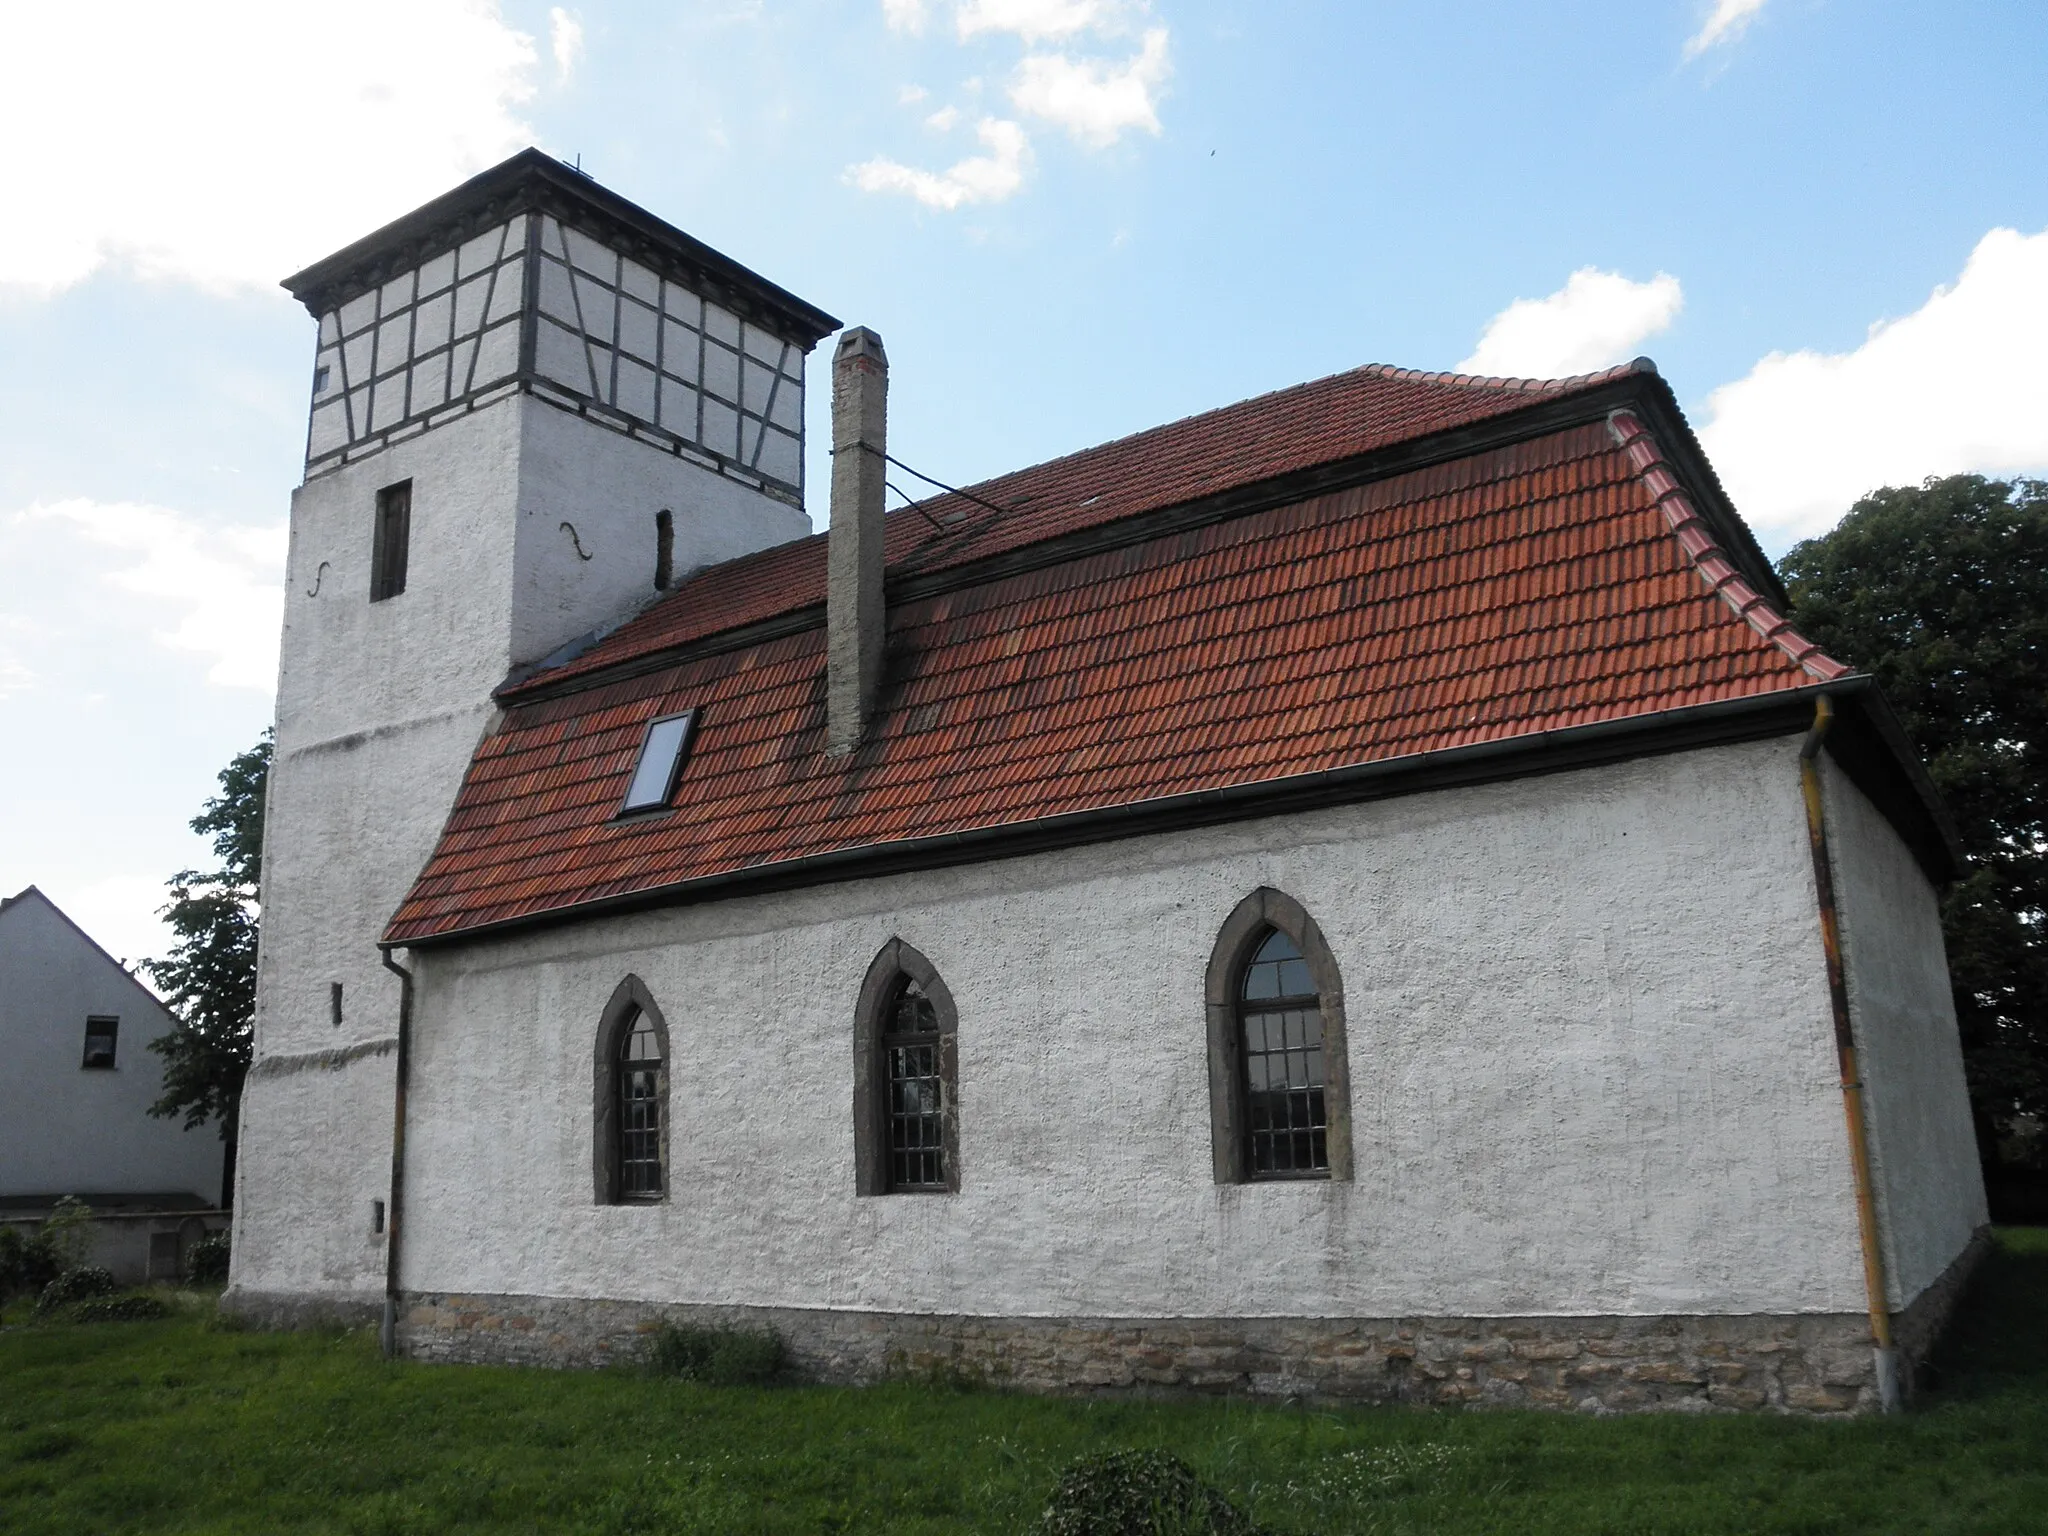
{"points": [[179, 1426]]}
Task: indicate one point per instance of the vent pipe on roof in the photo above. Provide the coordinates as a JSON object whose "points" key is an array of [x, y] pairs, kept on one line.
{"points": [[853, 584]]}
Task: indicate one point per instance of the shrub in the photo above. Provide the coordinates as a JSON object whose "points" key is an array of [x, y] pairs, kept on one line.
{"points": [[80, 1284], [136, 1307], [723, 1357], [207, 1261], [68, 1232], [1139, 1493], [27, 1263]]}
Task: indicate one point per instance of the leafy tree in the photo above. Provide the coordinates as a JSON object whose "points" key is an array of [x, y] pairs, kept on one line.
{"points": [[209, 978], [1941, 593]]}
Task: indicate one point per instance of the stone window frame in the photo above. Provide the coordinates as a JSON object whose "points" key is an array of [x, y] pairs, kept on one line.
{"points": [[629, 1000], [1242, 932], [893, 963]]}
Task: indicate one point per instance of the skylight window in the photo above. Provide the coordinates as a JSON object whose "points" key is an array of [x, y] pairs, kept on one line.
{"points": [[661, 762]]}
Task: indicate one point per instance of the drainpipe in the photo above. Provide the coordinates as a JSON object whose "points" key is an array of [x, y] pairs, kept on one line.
{"points": [[394, 1217], [1886, 1357]]}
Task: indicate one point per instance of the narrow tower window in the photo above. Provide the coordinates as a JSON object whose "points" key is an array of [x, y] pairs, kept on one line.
{"points": [[664, 548], [100, 1033], [661, 762], [334, 1003], [393, 535]]}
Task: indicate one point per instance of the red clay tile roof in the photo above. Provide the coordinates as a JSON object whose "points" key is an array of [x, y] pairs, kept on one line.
{"points": [[1551, 582], [1254, 440]]}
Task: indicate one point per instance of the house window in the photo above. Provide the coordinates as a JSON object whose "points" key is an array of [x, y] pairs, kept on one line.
{"points": [[631, 1119], [662, 751], [390, 543], [100, 1034], [906, 1084], [640, 1110], [1279, 1092], [1281, 1022]]}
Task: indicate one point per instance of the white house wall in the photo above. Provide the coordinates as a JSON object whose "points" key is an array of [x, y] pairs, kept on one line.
{"points": [[1923, 1151], [65, 1128], [1588, 1035]]}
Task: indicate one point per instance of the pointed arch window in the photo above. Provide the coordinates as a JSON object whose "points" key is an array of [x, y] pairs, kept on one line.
{"points": [[631, 1119], [1278, 1080], [639, 1087], [1280, 1019], [906, 1081]]}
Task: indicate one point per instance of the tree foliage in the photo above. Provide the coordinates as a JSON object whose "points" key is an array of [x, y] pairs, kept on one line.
{"points": [[209, 978], [1941, 592]]}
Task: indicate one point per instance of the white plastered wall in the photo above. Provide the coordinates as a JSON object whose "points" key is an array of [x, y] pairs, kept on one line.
{"points": [[1589, 1041], [380, 707], [1923, 1151], [609, 487], [66, 1129]]}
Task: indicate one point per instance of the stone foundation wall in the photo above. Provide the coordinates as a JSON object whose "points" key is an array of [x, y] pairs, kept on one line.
{"points": [[1814, 1364], [1917, 1329]]}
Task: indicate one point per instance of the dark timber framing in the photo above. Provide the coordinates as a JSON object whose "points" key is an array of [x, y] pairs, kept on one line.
{"points": [[630, 1000], [1260, 913], [895, 963]]}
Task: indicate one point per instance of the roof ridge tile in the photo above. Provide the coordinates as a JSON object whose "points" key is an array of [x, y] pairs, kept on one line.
{"points": [[1704, 553]]}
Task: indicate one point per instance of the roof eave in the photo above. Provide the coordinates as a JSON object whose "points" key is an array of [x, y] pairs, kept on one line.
{"points": [[1752, 717], [533, 179]]}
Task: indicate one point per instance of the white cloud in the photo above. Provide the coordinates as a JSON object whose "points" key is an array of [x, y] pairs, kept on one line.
{"points": [[904, 15], [985, 178], [1595, 320], [232, 143], [15, 676], [1033, 20], [1093, 101], [1729, 20], [221, 589], [1957, 385], [565, 41], [911, 95], [943, 120]]}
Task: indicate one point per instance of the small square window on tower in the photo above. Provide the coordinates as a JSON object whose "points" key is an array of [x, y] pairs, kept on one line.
{"points": [[661, 762], [100, 1033], [388, 546]]}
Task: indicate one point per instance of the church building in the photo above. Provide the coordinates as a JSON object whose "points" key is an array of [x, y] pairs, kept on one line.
{"points": [[1358, 895]]}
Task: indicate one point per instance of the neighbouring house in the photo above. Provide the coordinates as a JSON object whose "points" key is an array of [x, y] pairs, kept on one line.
{"points": [[77, 1078], [1359, 894]]}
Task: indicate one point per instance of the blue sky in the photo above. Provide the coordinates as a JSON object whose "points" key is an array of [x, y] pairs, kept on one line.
{"points": [[1070, 219]]}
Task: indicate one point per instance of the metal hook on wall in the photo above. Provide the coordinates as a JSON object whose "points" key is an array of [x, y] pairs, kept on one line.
{"points": [[570, 529], [319, 576]]}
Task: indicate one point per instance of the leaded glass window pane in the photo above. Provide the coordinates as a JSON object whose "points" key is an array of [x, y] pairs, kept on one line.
{"points": [[1280, 1015], [639, 1111], [916, 1091]]}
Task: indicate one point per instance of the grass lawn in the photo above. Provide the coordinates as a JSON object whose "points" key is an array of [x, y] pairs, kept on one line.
{"points": [[182, 1426]]}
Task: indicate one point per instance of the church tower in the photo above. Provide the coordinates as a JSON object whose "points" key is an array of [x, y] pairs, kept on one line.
{"points": [[534, 406]]}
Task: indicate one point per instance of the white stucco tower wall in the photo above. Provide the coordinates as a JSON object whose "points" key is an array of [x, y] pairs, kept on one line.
{"points": [[543, 500]]}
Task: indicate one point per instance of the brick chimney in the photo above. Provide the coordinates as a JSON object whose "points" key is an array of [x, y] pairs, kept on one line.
{"points": [[853, 586]]}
